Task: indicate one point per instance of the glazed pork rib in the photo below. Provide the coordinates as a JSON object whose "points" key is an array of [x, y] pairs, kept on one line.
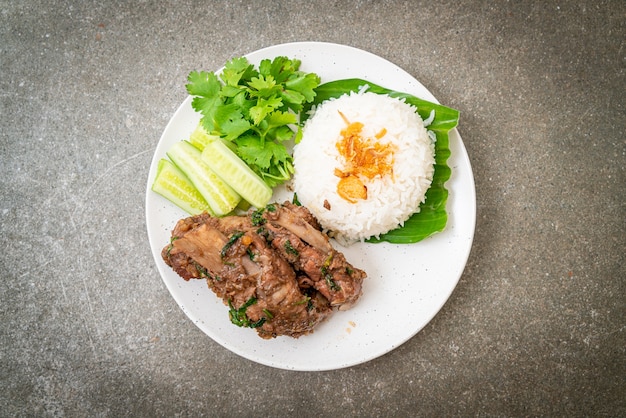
{"points": [[297, 237], [274, 268]]}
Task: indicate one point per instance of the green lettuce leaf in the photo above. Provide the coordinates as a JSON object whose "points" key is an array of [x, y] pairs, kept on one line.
{"points": [[432, 217]]}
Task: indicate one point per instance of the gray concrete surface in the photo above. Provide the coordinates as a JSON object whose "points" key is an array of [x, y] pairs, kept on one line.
{"points": [[536, 324]]}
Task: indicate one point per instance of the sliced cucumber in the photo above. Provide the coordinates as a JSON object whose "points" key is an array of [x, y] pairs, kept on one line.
{"points": [[234, 171], [218, 194], [172, 184], [199, 137]]}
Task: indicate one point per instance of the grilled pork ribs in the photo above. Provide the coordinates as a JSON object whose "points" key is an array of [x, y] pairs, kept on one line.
{"points": [[275, 268]]}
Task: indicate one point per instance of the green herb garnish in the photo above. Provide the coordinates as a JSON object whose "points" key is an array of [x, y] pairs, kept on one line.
{"points": [[171, 245], [257, 217], [239, 316], [230, 243], [255, 109], [328, 276], [201, 270], [290, 250]]}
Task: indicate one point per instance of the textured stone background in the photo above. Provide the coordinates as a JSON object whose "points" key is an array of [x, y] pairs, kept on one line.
{"points": [[536, 324]]}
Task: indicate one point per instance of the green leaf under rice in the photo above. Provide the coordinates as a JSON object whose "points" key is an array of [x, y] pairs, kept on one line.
{"points": [[432, 217]]}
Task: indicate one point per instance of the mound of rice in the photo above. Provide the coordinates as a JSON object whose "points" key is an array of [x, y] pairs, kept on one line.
{"points": [[392, 198]]}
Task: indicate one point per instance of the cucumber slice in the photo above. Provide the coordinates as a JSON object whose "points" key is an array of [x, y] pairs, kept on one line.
{"points": [[234, 171], [172, 184], [199, 137], [219, 195]]}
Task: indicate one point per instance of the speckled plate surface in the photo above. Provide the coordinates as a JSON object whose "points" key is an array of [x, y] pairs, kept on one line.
{"points": [[407, 284]]}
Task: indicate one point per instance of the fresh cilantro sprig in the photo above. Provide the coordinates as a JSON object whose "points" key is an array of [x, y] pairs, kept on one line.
{"points": [[256, 109]]}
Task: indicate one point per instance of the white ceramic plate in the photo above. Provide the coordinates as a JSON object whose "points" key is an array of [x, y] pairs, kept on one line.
{"points": [[406, 285]]}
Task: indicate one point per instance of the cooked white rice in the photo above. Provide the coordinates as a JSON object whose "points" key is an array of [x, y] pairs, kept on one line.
{"points": [[391, 199]]}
